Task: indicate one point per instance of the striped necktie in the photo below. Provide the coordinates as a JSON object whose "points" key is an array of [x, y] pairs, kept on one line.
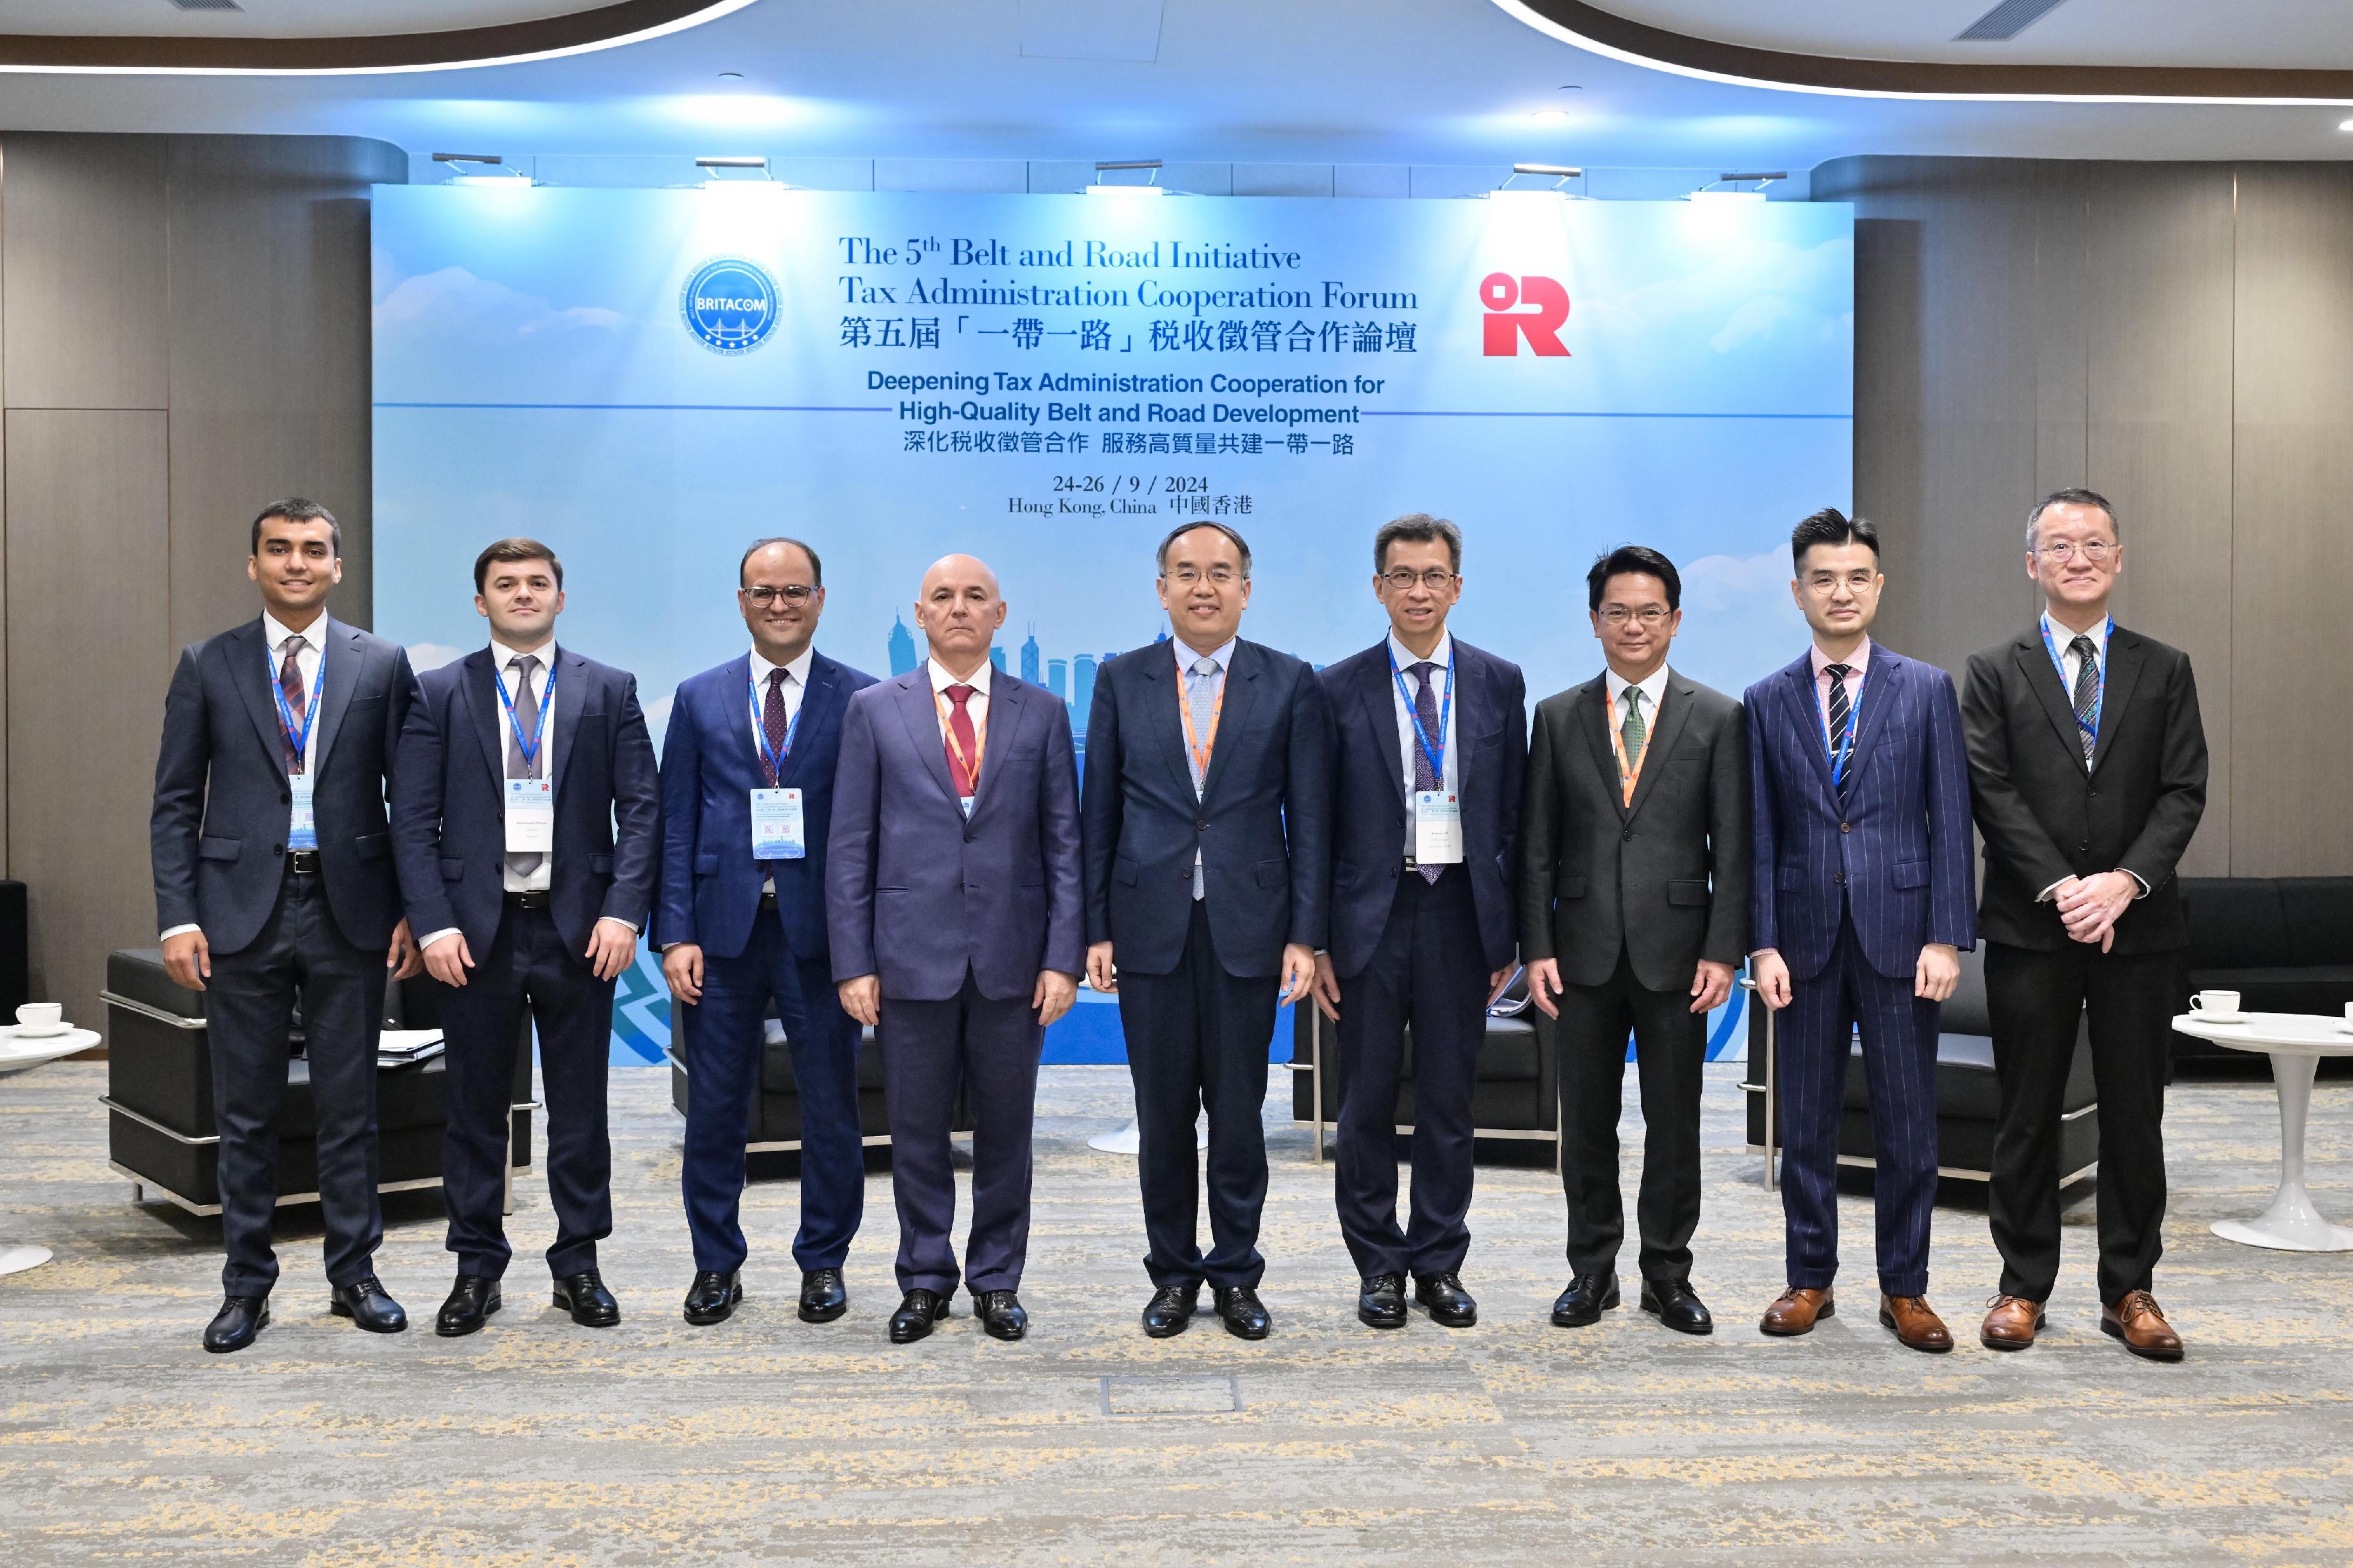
{"points": [[290, 679], [1840, 721], [2087, 694], [524, 732], [1633, 734]]}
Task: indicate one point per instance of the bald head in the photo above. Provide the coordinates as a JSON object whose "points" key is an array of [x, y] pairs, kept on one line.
{"points": [[959, 612]]}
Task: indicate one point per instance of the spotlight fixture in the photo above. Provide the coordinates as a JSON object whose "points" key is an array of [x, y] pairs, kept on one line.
{"points": [[1150, 187], [1559, 173], [1707, 193], [714, 179], [467, 169]]}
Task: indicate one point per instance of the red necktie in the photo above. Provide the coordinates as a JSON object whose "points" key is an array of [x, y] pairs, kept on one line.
{"points": [[964, 744], [290, 679]]}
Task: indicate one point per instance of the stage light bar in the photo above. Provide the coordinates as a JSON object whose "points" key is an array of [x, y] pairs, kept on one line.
{"points": [[1151, 187]]}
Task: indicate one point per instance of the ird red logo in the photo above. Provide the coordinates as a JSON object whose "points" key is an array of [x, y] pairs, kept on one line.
{"points": [[1500, 292]]}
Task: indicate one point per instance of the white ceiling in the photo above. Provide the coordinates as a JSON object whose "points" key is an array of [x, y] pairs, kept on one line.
{"points": [[273, 18], [1316, 81]]}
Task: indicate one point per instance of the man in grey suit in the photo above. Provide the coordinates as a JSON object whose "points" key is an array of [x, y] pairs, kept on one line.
{"points": [[1633, 881], [273, 876]]}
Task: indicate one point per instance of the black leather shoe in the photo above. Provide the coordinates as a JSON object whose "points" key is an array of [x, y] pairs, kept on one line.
{"points": [[1672, 1302], [1000, 1314], [916, 1314], [1245, 1318], [364, 1301], [239, 1322], [711, 1298], [471, 1302], [1450, 1305], [1587, 1298], [585, 1297], [1380, 1302], [1171, 1308], [823, 1296]]}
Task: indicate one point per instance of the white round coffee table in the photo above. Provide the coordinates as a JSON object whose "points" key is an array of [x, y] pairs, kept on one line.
{"points": [[2295, 1042], [20, 1052]]}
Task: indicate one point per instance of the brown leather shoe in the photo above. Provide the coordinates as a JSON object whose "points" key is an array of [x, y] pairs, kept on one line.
{"points": [[2010, 1324], [2140, 1322], [1915, 1324], [1794, 1311]]}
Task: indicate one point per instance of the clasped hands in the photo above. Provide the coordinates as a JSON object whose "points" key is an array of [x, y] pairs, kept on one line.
{"points": [[2090, 906]]}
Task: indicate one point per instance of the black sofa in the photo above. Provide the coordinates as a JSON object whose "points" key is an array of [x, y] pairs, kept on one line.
{"points": [[2283, 944], [775, 1122], [161, 1130]]}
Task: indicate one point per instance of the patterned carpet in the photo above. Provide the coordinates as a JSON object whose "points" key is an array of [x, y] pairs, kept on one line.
{"points": [[538, 1442]]}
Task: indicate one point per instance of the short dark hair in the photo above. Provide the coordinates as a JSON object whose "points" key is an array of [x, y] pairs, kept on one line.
{"points": [[294, 509], [1182, 529], [2071, 498], [1831, 526], [516, 550], [816, 567], [1418, 528], [1627, 561]]}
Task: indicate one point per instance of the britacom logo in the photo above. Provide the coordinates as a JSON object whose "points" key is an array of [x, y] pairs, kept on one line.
{"points": [[1506, 323], [730, 305]]}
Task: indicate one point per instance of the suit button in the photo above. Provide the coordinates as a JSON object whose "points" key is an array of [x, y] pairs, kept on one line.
{"points": [[1846, 827], [1202, 825], [1627, 836], [1840, 878], [2094, 794], [2084, 848]]}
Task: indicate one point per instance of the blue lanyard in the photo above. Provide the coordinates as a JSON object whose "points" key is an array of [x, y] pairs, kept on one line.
{"points": [[529, 748], [775, 759], [1435, 752], [302, 742], [2088, 723], [1842, 751]]}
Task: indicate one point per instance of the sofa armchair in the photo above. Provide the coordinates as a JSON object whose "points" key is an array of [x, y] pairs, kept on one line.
{"points": [[775, 1121], [2283, 944]]}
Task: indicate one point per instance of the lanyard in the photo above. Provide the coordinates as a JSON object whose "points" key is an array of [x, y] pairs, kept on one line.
{"points": [[774, 759], [971, 765], [545, 705], [1200, 749], [1435, 751], [302, 742], [1628, 773], [1843, 752], [2088, 722]]}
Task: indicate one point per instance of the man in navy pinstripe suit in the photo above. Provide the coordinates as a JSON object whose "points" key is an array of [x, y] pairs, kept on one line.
{"points": [[1863, 897]]}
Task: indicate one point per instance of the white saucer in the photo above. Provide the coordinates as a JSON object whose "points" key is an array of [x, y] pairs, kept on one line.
{"points": [[2219, 1017], [27, 1032]]}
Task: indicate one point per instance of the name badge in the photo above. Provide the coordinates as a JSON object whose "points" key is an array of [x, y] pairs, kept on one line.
{"points": [[779, 831], [966, 801], [1436, 829], [302, 831], [531, 816]]}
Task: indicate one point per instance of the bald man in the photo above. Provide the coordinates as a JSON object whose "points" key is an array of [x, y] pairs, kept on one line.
{"points": [[956, 927]]}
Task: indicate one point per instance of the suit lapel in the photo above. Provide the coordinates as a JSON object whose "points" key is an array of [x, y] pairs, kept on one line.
{"points": [[921, 715], [1233, 715], [569, 676], [1672, 716], [2042, 680], [477, 689], [342, 678], [1809, 717], [2125, 657], [816, 712], [250, 662], [1005, 700], [1164, 692], [1598, 741], [1376, 691], [1880, 678]]}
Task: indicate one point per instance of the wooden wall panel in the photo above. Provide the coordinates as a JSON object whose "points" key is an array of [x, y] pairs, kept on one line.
{"points": [[87, 303]]}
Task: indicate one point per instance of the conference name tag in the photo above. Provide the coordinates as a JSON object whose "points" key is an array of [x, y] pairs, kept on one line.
{"points": [[779, 832], [1436, 829], [966, 801], [302, 831], [531, 816]]}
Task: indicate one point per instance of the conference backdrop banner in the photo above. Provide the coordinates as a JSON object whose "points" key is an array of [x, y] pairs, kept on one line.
{"points": [[648, 380]]}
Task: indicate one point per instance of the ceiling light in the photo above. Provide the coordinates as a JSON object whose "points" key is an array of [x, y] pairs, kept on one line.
{"points": [[2345, 125], [1550, 117]]}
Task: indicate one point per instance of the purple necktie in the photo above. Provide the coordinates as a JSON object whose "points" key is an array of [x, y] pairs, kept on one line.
{"points": [[1425, 777]]}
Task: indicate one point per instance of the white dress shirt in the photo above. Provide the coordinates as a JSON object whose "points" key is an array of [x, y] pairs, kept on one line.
{"points": [[1654, 690], [1222, 656], [976, 704], [1449, 779], [796, 688]]}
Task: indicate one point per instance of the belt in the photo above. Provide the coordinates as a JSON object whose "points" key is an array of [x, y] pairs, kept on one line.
{"points": [[302, 862], [536, 899]]}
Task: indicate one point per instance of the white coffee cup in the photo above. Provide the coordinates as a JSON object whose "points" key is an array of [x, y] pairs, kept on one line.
{"points": [[2221, 1006], [41, 1018]]}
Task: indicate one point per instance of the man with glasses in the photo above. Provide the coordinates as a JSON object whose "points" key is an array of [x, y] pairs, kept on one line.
{"points": [[2089, 762], [1633, 886], [1428, 737], [747, 799], [1205, 821]]}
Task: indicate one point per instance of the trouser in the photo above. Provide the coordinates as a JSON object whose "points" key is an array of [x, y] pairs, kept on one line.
{"points": [[1428, 975], [1198, 1036], [722, 1060], [930, 1051], [1814, 1036], [530, 970], [1669, 1048], [2035, 1000], [249, 1013]]}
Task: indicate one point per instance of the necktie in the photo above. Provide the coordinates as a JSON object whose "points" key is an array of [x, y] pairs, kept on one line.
{"points": [[1425, 708], [2087, 693], [1633, 734], [964, 744], [524, 732], [1841, 720], [773, 721], [1201, 703], [290, 677]]}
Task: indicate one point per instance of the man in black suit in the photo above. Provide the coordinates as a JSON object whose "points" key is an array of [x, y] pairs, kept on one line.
{"points": [[273, 878], [1428, 738], [1633, 882], [518, 761], [1205, 821], [2088, 760]]}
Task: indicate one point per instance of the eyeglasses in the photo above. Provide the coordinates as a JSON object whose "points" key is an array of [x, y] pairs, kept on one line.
{"points": [[1649, 614], [1403, 578], [1187, 577], [791, 593], [2095, 551]]}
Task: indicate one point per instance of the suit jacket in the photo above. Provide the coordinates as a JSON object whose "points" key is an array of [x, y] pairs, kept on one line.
{"points": [[1900, 855], [2045, 817], [448, 802], [1262, 827], [1368, 795], [710, 766], [920, 896], [1664, 881], [218, 834]]}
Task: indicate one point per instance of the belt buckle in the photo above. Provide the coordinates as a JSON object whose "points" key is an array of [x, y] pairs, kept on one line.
{"points": [[302, 862]]}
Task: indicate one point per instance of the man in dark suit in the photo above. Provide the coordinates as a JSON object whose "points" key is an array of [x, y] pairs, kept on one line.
{"points": [[1633, 886], [1428, 736], [1207, 826], [518, 761], [952, 888], [747, 801], [273, 878], [1861, 906], [2089, 761]]}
